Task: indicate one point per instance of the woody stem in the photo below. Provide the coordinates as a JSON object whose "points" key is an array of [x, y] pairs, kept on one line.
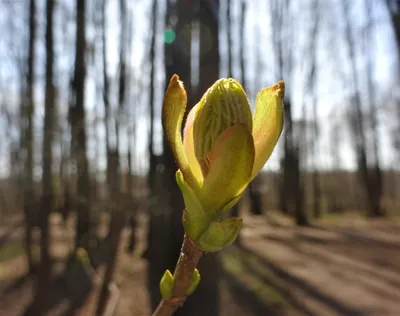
{"points": [[187, 262]]}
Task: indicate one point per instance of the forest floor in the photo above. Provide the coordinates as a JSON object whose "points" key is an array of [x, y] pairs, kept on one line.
{"points": [[340, 266]]}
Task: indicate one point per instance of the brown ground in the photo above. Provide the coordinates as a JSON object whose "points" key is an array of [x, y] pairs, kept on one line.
{"points": [[350, 267]]}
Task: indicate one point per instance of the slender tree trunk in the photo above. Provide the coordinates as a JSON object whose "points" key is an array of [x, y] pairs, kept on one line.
{"points": [[152, 166], [29, 196], [133, 206], [312, 84], [376, 176], [45, 269], [83, 186], [156, 248], [106, 89]]}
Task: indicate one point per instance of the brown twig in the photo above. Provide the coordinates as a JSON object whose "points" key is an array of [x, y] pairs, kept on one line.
{"points": [[187, 262]]}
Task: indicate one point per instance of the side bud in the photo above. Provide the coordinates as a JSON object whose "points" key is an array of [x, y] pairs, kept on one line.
{"points": [[220, 234], [166, 285], [194, 282]]}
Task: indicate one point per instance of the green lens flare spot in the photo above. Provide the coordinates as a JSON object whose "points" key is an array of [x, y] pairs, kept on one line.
{"points": [[169, 36]]}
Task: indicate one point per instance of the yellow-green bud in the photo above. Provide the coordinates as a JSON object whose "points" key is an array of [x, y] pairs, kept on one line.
{"points": [[220, 234], [194, 282], [166, 285]]}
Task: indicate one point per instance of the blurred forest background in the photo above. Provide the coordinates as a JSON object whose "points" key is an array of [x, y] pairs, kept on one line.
{"points": [[90, 214]]}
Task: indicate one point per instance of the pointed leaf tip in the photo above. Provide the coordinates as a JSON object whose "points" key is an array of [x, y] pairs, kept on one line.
{"points": [[173, 110], [268, 123]]}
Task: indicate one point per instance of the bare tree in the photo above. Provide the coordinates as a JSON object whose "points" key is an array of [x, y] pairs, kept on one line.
{"points": [[158, 224], [45, 269], [311, 84], [106, 88], [375, 173], [78, 129], [29, 194], [152, 157]]}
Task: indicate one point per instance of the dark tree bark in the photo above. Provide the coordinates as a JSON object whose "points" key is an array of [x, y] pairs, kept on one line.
{"points": [[29, 194], [156, 247], [255, 199], [133, 205], [375, 173], [45, 268], [106, 90], [79, 129], [152, 158], [312, 85]]}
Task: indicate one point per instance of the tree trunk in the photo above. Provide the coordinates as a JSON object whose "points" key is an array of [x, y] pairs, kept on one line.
{"points": [[83, 186], [376, 176], [312, 84], [133, 207], [29, 210], [45, 268], [106, 89], [156, 248], [293, 193]]}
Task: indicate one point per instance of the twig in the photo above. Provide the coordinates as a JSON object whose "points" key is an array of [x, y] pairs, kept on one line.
{"points": [[187, 262]]}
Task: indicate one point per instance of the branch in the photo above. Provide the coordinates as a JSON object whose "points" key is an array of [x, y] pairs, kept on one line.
{"points": [[187, 262]]}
